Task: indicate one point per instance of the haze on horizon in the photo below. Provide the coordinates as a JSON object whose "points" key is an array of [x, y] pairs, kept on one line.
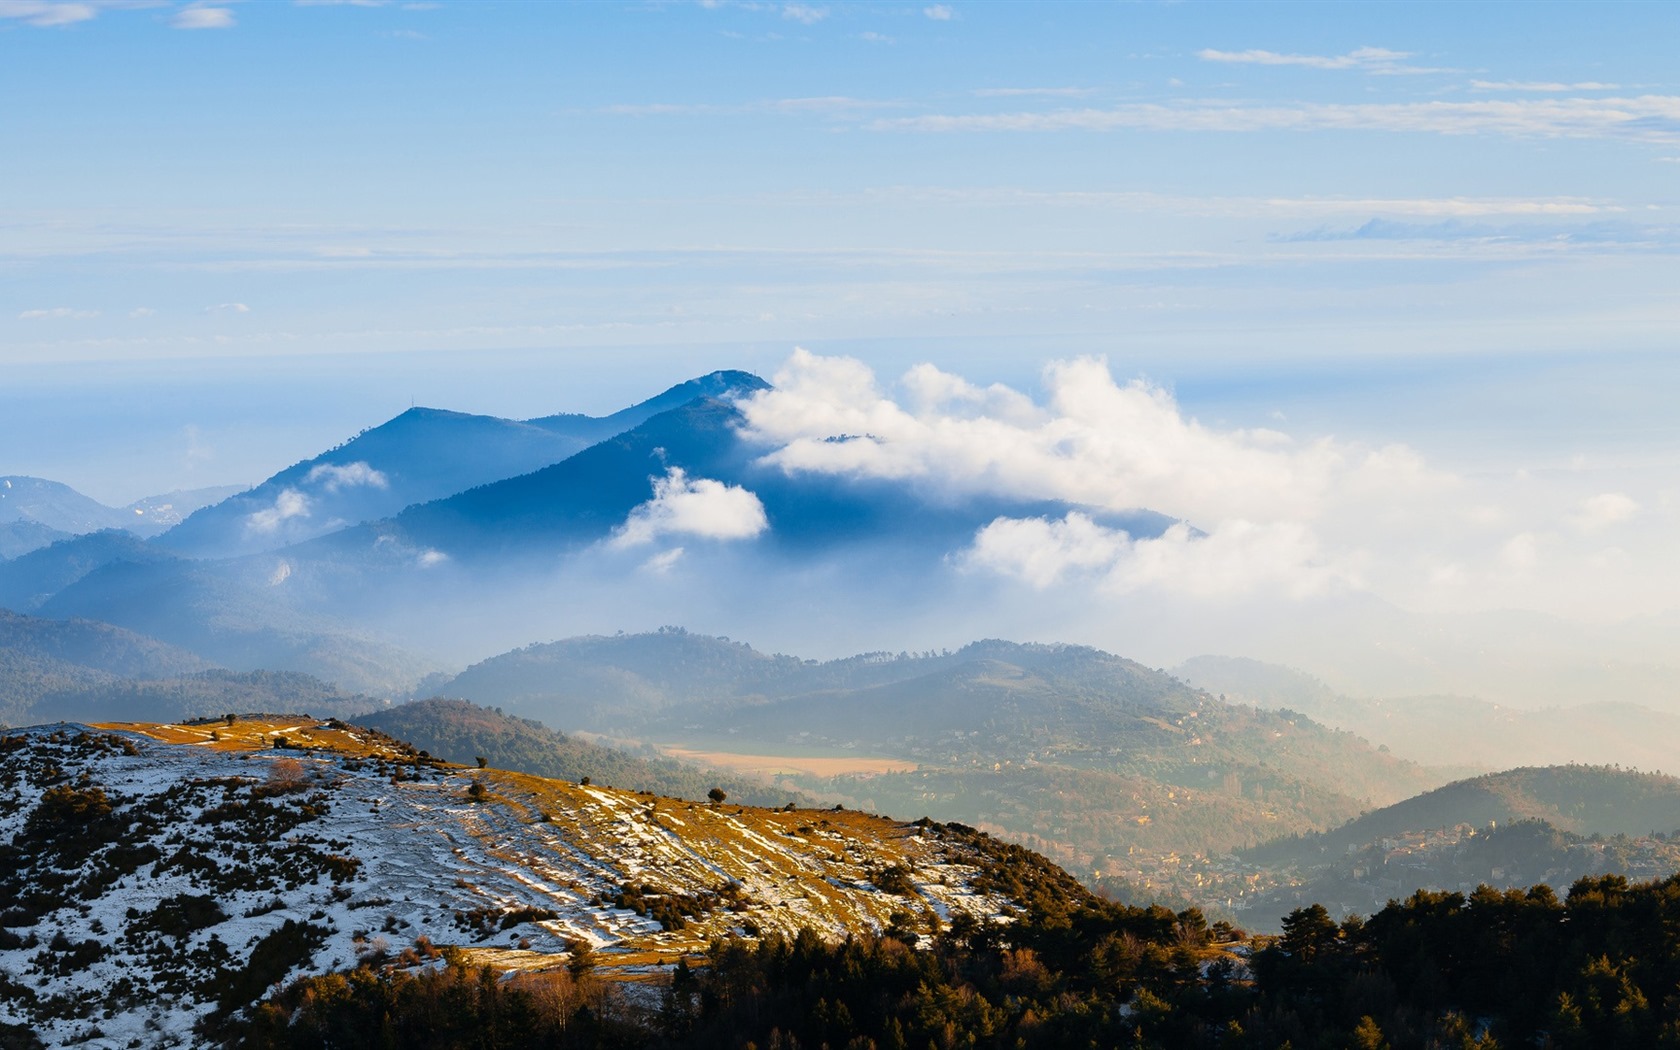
{"points": [[1375, 298]]}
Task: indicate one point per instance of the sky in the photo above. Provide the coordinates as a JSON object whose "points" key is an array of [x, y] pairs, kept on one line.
{"points": [[1385, 293]]}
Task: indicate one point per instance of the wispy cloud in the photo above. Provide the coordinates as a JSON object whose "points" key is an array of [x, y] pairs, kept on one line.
{"points": [[1604, 510], [203, 18], [228, 308], [334, 476], [1540, 86], [939, 12], [1648, 118], [1374, 60], [48, 13], [807, 14], [1020, 92], [57, 313], [831, 105], [289, 503]]}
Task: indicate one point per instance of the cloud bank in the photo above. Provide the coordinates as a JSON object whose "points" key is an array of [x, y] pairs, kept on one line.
{"points": [[1262, 513]]}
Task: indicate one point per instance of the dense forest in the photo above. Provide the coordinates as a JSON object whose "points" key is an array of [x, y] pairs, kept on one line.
{"points": [[1489, 969]]}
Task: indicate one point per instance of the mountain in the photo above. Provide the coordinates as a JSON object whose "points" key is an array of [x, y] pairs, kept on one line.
{"points": [[1553, 824], [554, 551], [236, 618], [154, 514], [21, 537], [57, 670], [55, 505], [1585, 800], [458, 731], [1090, 757], [30, 580], [582, 500], [1456, 731], [156, 881], [61, 509], [423, 454], [40, 659]]}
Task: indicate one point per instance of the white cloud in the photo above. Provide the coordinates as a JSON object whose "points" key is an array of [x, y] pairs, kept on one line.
{"points": [[1600, 512], [203, 18], [289, 504], [804, 13], [700, 507], [57, 313], [228, 308], [1096, 443], [1646, 118], [141, 311], [332, 476], [939, 12], [1294, 517], [429, 559], [1235, 559]]}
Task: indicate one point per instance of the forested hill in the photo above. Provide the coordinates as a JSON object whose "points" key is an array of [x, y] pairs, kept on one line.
{"points": [[459, 731], [1585, 800]]}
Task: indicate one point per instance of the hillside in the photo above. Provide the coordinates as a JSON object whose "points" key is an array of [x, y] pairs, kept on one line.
{"points": [[32, 579], [459, 731], [1509, 830], [40, 658], [21, 537], [161, 877], [1103, 764], [1585, 800], [235, 618]]}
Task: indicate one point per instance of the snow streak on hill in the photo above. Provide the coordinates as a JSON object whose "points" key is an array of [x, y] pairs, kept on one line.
{"points": [[157, 879]]}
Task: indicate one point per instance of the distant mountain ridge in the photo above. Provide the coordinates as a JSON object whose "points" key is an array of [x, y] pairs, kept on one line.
{"points": [[1086, 754], [421, 455], [1456, 731], [36, 511], [1584, 800]]}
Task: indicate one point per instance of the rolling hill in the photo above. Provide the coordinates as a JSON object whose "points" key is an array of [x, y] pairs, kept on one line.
{"points": [[1088, 756], [156, 881]]}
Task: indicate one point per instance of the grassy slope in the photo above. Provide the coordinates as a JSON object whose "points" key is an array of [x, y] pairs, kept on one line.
{"points": [[459, 731]]}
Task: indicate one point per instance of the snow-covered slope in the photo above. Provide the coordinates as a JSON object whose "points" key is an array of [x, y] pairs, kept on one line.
{"points": [[156, 879]]}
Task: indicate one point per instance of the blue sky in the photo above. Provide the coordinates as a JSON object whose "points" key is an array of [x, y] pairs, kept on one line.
{"points": [[233, 234]]}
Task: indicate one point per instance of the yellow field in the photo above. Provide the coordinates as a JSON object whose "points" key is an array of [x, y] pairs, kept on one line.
{"points": [[785, 765]]}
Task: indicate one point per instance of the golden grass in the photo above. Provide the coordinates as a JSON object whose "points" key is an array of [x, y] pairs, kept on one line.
{"points": [[792, 868], [257, 734]]}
